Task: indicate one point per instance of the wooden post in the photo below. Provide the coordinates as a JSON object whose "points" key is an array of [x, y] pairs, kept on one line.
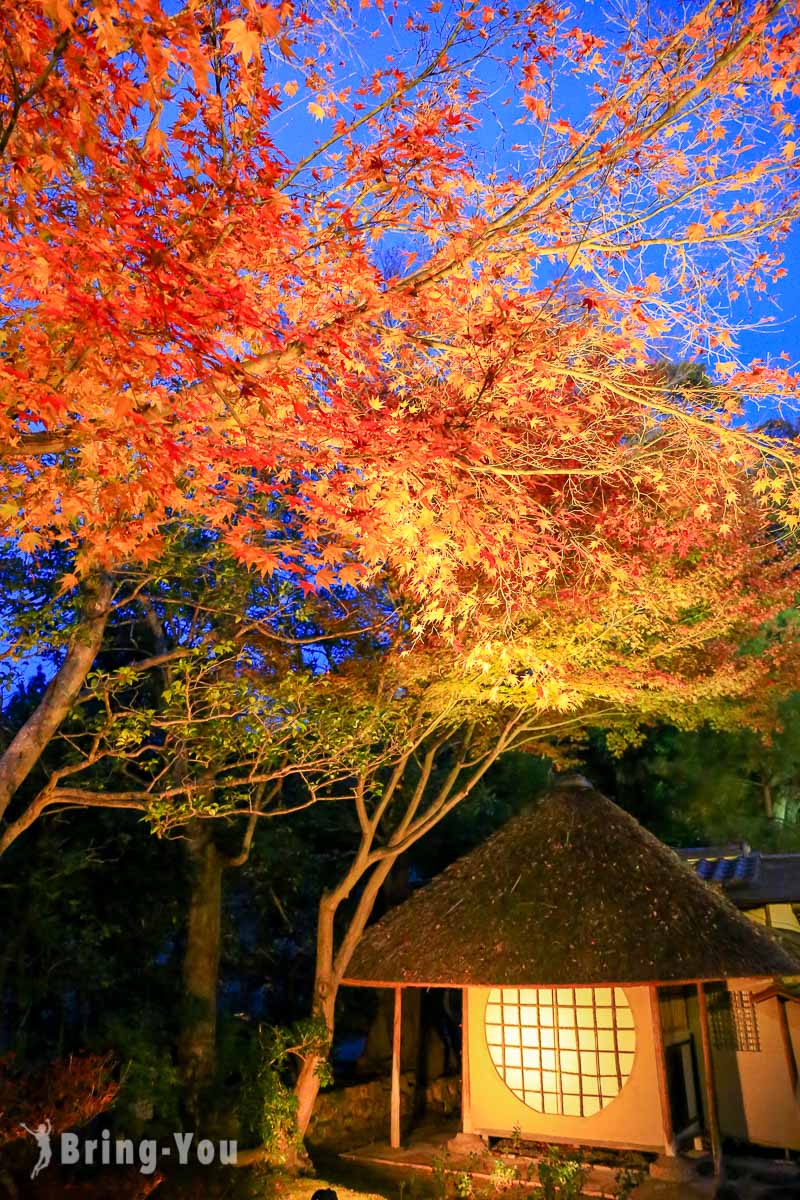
{"points": [[466, 1107], [394, 1124], [788, 1048], [711, 1091], [661, 1072]]}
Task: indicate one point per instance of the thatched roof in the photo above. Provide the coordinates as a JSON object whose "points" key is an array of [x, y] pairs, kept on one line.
{"points": [[571, 891]]}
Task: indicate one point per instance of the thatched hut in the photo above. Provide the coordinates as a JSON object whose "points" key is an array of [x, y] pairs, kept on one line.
{"points": [[589, 956]]}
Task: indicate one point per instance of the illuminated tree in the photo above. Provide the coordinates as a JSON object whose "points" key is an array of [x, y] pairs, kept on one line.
{"points": [[205, 326], [262, 707], [194, 322]]}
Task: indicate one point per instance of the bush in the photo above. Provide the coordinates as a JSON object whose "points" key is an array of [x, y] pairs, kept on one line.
{"points": [[148, 1075], [267, 1103], [560, 1178], [67, 1093]]}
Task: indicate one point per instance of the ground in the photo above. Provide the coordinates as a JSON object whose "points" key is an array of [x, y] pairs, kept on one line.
{"points": [[424, 1169], [304, 1188]]}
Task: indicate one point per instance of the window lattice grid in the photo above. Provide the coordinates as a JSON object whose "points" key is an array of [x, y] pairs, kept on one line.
{"points": [[565, 1051], [733, 1020]]}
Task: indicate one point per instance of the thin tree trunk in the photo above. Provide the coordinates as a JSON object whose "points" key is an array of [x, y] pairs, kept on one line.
{"points": [[198, 1034], [332, 962], [331, 966], [23, 753], [307, 1087], [324, 1002], [769, 805]]}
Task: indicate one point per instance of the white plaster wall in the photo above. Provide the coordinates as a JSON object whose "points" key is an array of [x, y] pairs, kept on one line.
{"points": [[754, 1092], [633, 1119]]}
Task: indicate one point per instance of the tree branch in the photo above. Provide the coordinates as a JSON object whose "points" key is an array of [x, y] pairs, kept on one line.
{"points": [[22, 98], [26, 748]]}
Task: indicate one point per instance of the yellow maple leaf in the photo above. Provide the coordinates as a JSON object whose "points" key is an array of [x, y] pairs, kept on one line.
{"points": [[316, 110]]}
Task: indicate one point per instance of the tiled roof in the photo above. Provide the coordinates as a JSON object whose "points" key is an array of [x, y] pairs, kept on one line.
{"points": [[748, 877], [741, 869]]}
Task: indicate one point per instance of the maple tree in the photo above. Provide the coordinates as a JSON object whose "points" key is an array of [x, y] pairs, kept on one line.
{"points": [[376, 357], [58, 1097], [195, 322], [268, 705], [198, 326], [69, 1093]]}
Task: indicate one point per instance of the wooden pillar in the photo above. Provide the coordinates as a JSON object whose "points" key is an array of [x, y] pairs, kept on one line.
{"points": [[466, 1106], [397, 1028], [788, 1048], [661, 1072], [711, 1091]]}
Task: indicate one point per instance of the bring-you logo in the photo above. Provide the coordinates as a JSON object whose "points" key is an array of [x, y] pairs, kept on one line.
{"points": [[72, 1149]]}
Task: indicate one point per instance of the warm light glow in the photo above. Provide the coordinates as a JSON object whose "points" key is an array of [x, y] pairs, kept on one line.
{"points": [[565, 1051]]}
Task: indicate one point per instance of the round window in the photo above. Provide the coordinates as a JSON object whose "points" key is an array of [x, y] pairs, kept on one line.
{"points": [[566, 1051]]}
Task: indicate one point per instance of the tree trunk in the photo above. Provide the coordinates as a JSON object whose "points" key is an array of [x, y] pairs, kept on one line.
{"points": [[325, 988], [330, 969], [306, 1089], [769, 805], [25, 750], [197, 1039]]}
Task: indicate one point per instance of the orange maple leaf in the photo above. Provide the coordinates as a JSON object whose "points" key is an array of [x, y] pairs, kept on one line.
{"points": [[242, 39], [270, 21]]}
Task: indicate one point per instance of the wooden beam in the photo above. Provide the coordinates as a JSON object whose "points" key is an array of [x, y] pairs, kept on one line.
{"points": [[711, 1091], [466, 1103], [347, 981], [397, 1028], [661, 1072]]}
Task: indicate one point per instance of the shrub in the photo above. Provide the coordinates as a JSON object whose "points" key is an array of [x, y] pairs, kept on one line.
{"points": [[560, 1178], [67, 1093]]}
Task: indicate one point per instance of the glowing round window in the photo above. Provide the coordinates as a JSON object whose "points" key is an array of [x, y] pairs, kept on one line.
{"points": [[566, 1051]]}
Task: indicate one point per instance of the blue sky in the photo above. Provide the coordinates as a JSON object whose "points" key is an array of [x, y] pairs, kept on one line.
{"points": [[497, 136]]}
